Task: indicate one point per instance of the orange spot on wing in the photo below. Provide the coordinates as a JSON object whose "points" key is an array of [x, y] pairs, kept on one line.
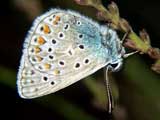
{"points": [[55, 23], [32, 81], [56, 72], [57, 18], [47, 66], [37, 49], [41, 40], [46, 29], [39, 58]]}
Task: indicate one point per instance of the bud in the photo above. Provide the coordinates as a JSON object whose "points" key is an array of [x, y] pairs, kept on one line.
{"points": [[88, 2], [124, 25], [156, 67], [129, 44], [144, 36], [81, 2], [113, 9]]}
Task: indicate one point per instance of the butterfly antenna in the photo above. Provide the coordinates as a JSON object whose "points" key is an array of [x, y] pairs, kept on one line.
{"points": [[124, 37], [129, 54], [109, 92]]}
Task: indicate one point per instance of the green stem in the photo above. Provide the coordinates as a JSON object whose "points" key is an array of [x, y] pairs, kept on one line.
{"points": [[139, 44]]}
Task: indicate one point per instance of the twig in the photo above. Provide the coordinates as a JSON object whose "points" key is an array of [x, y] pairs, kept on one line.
{"points": [[139, 42]]}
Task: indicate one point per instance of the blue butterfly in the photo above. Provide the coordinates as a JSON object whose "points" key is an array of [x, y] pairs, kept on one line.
{"points": [[63, 47]]}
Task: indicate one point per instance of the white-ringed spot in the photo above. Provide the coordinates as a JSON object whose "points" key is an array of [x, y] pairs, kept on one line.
{"points": [[79, 23], [61, 35]]}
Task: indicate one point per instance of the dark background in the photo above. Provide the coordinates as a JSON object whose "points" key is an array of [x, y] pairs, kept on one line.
{"points": [[136, 87]]}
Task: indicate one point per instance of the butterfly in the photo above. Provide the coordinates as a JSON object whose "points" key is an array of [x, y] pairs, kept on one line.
{"points": [[63, 47]]}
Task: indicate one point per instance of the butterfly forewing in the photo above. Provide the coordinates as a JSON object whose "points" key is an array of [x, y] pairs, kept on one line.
{"points": [[62, 47]]}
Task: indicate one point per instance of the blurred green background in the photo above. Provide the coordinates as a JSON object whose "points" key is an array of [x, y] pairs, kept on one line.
{"points": [[136, 88]]}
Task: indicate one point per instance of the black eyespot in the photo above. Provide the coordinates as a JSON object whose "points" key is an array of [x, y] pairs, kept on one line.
{"points": [[35, 39], [41, 28], [78, 23], [81, 46], [80, 36], [32, 50], [86, 61], [54, 41], [36, 89], [50, 19], [61, 35], [77, 65], [45, 78], [40, 67], [33, 59], [66, 26], [61, 63], [70, 52], [50, 56], [53, 16], [32, 81], [32, 72], [49, 49], [52, 83]]}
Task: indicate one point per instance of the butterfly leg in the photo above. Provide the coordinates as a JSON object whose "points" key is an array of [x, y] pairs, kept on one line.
{"points": [[109, 92]]}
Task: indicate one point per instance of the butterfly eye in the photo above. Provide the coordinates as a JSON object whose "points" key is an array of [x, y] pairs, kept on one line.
{"points": [[116, 66]]}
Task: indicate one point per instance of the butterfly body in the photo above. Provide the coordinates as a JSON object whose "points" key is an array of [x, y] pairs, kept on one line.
{"points": [[61, 48]]}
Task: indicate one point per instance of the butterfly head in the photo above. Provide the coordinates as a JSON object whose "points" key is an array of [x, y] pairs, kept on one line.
{"points": [[114, 46]]}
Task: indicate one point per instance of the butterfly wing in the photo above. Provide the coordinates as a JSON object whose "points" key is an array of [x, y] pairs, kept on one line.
{"points": [[62, 47]]}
